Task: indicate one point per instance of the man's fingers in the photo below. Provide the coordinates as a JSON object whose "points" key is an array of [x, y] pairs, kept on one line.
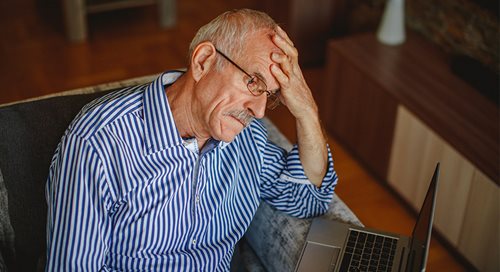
{"points": [[283, 34], [285, 46], [280, 76], [283, 60]]}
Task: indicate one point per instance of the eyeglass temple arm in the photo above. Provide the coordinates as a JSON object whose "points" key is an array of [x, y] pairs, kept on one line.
{"points": [[232, 62]]}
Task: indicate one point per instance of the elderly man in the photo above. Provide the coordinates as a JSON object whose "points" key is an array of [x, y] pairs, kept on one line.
{"points": [[168, 176]]}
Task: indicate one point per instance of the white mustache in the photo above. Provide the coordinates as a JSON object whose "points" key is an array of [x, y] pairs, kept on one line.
{"points": [[242, 115]]}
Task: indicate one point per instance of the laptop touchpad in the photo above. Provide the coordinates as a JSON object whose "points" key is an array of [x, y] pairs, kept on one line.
{"points": [[318, 257]]}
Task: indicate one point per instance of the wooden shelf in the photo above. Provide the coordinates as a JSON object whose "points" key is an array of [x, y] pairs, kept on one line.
{"points": [[417, 75], [399, 110]]}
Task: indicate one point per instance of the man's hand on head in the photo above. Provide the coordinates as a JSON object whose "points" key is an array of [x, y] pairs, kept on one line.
{"points": [[295, 93], [297, 97]]}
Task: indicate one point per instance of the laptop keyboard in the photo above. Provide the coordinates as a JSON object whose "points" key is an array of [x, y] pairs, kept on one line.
{"points": [[368, 252]]}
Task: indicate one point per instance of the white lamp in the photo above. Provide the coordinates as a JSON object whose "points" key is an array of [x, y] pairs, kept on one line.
{"points": [[392, 28]]}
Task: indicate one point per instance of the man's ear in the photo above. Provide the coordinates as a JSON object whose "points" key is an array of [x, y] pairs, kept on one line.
{"points": [[202, 60]]}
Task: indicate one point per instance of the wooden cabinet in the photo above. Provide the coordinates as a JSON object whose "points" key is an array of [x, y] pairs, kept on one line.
{"points": [[400, 110], [479, 239], [467, 203], [359, 117], [415, 151]]}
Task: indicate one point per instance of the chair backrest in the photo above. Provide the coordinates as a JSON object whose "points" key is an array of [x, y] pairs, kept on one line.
{"points": [[29, 134]]}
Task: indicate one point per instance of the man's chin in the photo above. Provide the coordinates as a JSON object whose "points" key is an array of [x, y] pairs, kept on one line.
{"points": [[229, 134], [228, 137], [229, 128]]}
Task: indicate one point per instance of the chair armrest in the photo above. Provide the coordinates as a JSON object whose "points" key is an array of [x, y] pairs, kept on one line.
{"points": [[277, 238]]}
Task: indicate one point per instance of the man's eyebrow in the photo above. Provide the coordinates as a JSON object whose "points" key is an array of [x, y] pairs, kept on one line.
{"points": [[261, 77]]}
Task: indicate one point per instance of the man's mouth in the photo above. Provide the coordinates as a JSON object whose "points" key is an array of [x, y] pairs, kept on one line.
{"points": [[241, 122], [242, 116]]}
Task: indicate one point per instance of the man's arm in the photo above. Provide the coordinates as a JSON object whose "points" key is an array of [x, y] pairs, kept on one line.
{"points": [[297, 97], [312, 149], [77, 222], [285, 185]]}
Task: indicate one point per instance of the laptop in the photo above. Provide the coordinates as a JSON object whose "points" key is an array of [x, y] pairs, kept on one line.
{"points": [[334, 246]]}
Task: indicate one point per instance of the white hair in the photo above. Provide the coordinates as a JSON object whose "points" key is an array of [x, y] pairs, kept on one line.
{"points": [[230, 30]]}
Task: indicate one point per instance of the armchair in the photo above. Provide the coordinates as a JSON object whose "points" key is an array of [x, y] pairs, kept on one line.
{"points": [[29, 134]]}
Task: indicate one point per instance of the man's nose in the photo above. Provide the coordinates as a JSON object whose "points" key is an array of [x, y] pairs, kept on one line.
{"points": [[258, 106]]}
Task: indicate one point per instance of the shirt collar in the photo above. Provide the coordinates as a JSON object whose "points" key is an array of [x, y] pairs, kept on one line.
{"points": [[223, 145], [192, 145], [160, 129]]}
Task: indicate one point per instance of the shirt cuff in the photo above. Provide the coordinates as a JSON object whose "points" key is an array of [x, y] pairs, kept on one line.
{"points": [[294, 172]]}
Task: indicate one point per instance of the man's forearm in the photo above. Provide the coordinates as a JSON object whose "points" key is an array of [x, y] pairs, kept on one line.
{"points": [[312, 148], [297, 97]]}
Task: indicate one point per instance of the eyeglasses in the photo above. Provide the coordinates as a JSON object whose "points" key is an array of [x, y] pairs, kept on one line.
{"points": [[256, 85]]}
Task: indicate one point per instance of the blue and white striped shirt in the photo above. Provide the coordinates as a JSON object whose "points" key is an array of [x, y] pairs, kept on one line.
{"points": [[126, 193]]}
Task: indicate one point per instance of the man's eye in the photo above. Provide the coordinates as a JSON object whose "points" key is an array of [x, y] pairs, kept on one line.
{"points": [[252, 80]]}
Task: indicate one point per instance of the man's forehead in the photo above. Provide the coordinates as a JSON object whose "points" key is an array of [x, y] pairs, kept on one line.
{"points": [[262, 41], [259, 51]]}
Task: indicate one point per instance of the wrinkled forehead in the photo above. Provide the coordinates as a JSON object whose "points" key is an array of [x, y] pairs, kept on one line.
{"points": [[263, 40], [256, 56], [258, 41]]}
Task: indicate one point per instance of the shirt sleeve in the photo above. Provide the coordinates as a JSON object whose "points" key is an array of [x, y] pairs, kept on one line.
{"points": [[78, 225], [285, 185]]}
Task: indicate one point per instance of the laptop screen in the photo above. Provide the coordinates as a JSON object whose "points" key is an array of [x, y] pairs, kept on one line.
{"points": [[421, 236]]}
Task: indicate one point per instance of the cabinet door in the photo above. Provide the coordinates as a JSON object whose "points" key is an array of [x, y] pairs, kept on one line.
{"points": [[415, 151], [358, 112], [479, 238]]}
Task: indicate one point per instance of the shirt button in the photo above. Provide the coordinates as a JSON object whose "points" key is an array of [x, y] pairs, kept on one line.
{"points": [[194, 242], [197, 199]]}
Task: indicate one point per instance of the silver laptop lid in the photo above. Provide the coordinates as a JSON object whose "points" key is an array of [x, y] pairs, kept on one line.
{"points": [[421, 235]]}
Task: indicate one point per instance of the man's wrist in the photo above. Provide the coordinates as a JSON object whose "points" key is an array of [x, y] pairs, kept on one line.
{"points": [[310, 115]]}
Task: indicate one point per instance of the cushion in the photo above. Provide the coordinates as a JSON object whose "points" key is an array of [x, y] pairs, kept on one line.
{"points": [[29, 134], [6, 231]]}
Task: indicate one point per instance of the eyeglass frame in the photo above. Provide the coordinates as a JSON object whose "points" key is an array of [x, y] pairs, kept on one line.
{"points": [[270, 94]]}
